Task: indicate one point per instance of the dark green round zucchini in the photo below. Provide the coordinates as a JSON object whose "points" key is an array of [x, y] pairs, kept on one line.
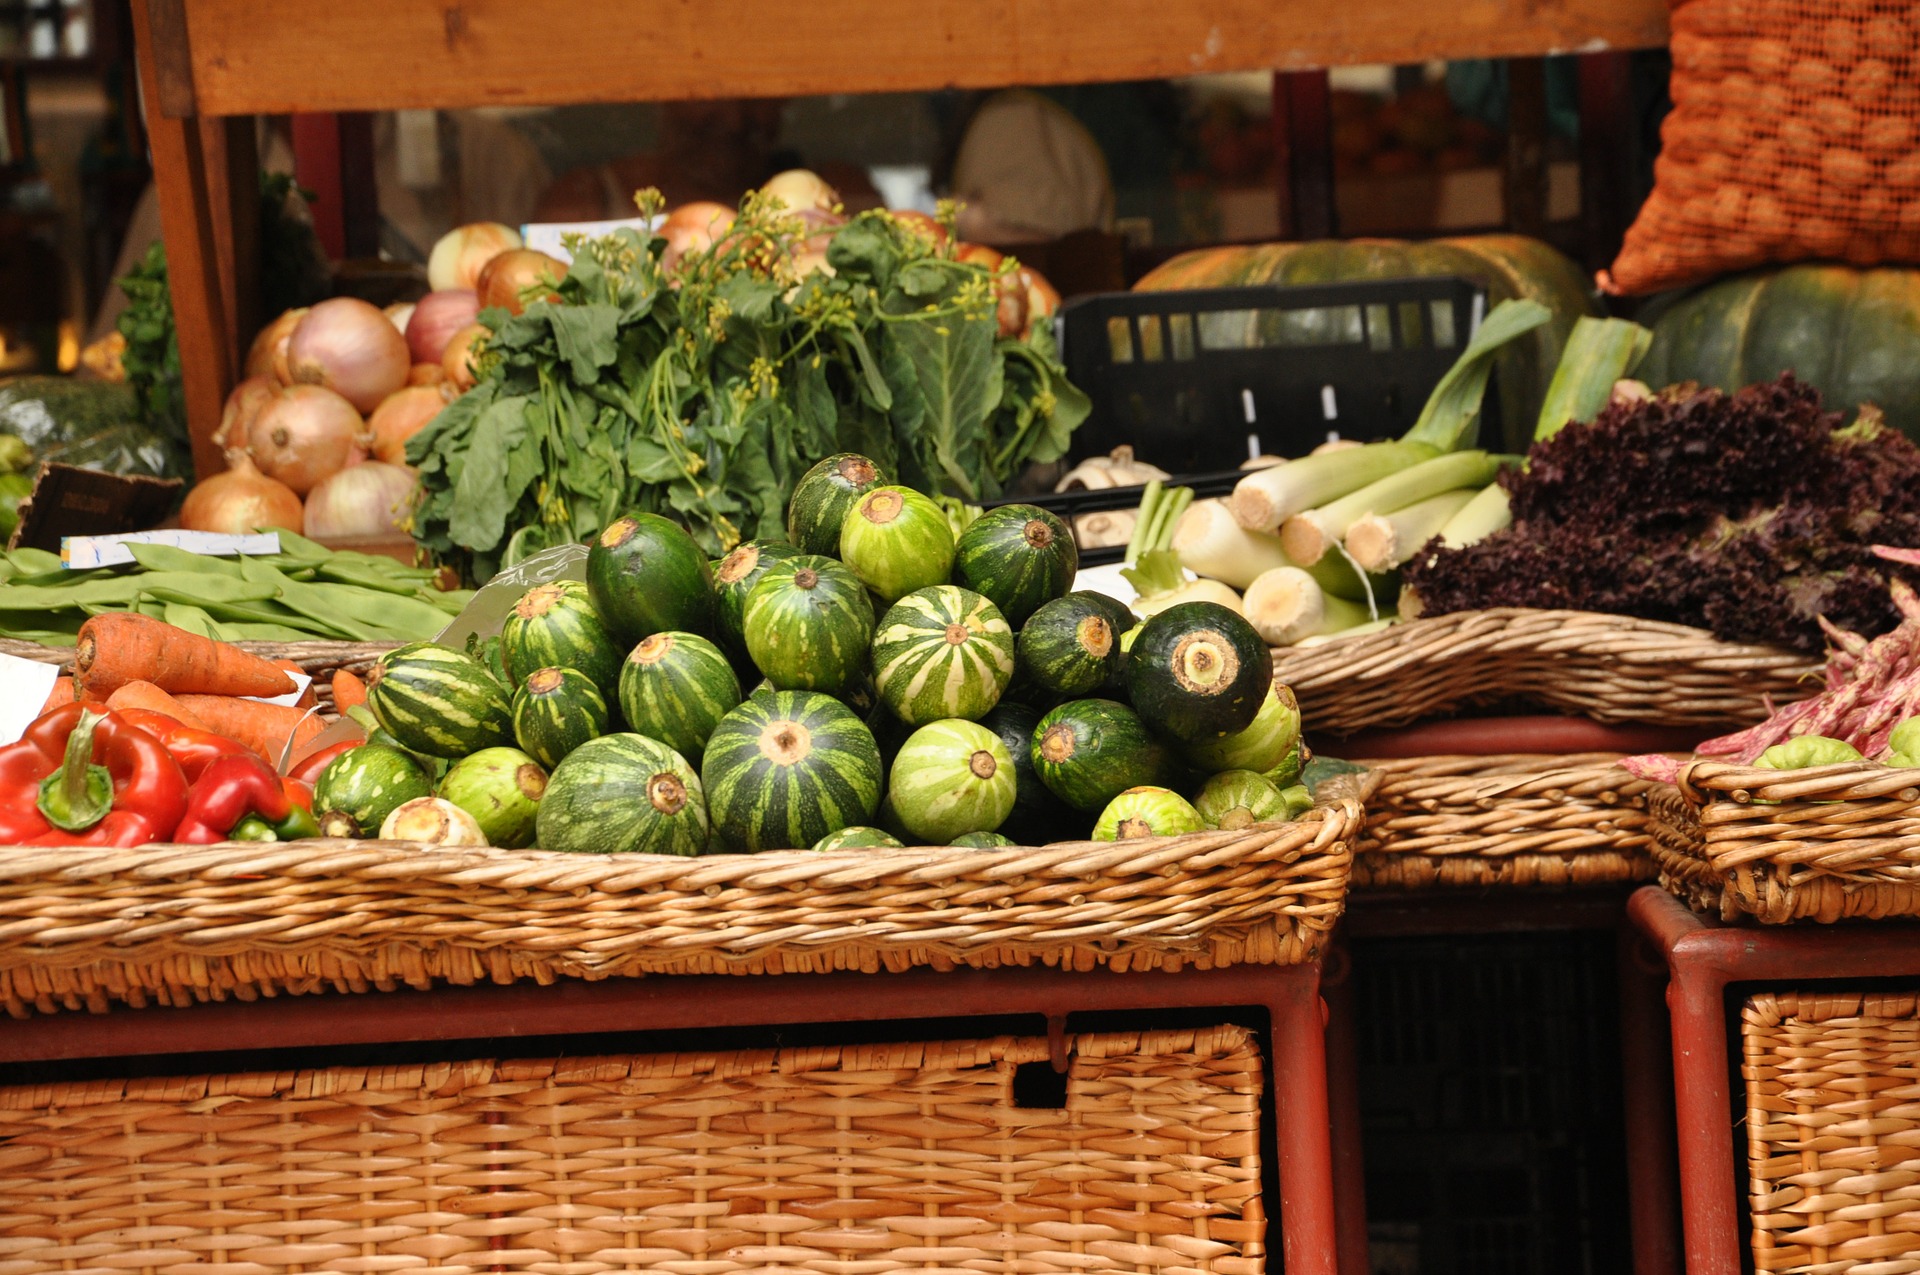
{"points": [[1019, 556], [646, 574], [555, 711], [1069, 647], [1198, 671], [822, 498], [1089, 751]]}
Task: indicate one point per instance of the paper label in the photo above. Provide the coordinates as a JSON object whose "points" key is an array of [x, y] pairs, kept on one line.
{"points": [[24, 687], [300, 684], [79, 552], [546, 236]]}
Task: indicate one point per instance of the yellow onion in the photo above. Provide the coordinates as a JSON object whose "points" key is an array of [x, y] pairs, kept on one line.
{"points": [[457, 362], [362, 501], [400, 416], [304, 435], [351, 348], [267, 356], [236, 418], [510, 277], [240, 500], [462, 253]]}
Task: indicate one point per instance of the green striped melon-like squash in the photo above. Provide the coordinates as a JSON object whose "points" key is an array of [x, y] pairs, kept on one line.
{"points": [[809, 623], [942, 652], [439, 701], [1506, 265], [782, 770], [822, 498], [555, 626], [1019, 556], [555, 711], [1854, 335], [623, 794], [950, 778], [733, 579], [675, 687]]}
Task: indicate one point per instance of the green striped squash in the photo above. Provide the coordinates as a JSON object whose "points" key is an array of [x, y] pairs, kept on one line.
{"points": [[1236, 799], [555, 626], [1020, 556], [897, 540], [942, 652], [859, 837], [438, 701], [1038, 816], [1198, 672], [950, 778], [1069, 647], [784, 770], [1147, 811], [362, 786], [1262, 745], [555, 711], [1089, 751], [623, 794], [647, 574], [822, 498], [809, 624], [675, 687], [733, 580], [981, 841]]}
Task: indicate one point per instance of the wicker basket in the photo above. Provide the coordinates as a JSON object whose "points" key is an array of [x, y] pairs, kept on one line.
{"points": [[1833, 1131], [175, 924], [870, 1160], [1607, 667], [1827, 844], [320, 659], [1545, 821]]}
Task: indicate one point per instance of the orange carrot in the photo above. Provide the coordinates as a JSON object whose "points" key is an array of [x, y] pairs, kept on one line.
{"points": [[310, 696], [348, 691], [147, 695], [61, 694], [113, 650], [264, 728]]}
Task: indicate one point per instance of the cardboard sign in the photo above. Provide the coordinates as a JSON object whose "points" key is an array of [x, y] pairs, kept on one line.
{"points": [[70, 501]]}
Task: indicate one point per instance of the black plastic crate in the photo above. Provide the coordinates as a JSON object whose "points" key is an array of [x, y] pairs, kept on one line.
{"points": [[1197, 381]]}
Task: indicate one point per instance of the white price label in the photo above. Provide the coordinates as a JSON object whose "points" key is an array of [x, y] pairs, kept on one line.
{"points": [[78, 552], [24, 687]]}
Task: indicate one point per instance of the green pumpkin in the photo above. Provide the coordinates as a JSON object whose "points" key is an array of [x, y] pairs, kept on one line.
{"points": [[784, 769], [1854, 335], [623, 794], [1506, 265], [942, 652], [1019, 556], [675, 687], [808, 625]]}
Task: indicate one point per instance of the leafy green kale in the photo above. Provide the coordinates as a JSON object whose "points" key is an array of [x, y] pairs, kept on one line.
{"points": [[704, 394]]}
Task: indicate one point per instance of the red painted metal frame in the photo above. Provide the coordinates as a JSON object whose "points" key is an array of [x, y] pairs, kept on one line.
{"points": [[1290, 994], [1703, 958]]}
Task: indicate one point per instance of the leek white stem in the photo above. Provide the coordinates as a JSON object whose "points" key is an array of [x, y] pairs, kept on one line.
{"points": [[1308, 535], [1486, 513], [1380, 542], [1286, 604], [1266, 498], [1211, 542], [1358, 630]]}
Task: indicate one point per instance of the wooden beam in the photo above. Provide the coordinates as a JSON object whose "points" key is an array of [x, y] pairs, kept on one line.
{"points": [[187, 216], [280, 56]]}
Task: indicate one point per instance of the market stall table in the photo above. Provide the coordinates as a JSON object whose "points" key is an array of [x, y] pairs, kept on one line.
{"points": [[1290, 995], [1703, 959]]}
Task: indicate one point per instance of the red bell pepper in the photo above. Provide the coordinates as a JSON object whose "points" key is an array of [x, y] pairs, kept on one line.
{"points": [[191, 746], [237, 790], [308, 768], [82, 778]]}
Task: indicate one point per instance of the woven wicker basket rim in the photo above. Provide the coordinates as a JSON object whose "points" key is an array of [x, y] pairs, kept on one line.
{"points": [[1701, 782]]}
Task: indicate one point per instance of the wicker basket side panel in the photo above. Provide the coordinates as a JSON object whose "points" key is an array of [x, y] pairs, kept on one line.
{"points": [[1833, 1130], [882, 1158]]}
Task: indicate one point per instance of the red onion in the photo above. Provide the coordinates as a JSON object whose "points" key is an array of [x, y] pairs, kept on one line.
{"points": [[458, 360], [307, 433], [461, 253], [240, 501], [352, 349], [365, 500], [511, 276], [400, 416], [267, 356], [436, 318], [236, 418]]}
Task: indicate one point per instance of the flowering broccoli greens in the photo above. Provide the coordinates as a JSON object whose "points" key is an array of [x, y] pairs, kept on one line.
{"points": [[705, 393]]}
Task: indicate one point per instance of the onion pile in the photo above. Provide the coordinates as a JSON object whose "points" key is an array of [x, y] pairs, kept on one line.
{"points": [[240, 501], [304, 435], [371, 499], [351, 348]]}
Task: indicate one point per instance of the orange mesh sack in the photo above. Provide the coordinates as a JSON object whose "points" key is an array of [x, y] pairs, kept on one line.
{"points": [[1795, 134]]}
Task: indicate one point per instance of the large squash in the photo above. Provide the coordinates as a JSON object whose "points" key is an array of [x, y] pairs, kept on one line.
{"points": [[1506, 265], [1853, 334]]}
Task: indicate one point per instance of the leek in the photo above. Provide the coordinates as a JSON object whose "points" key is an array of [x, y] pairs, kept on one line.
{"points": [[1212, 542], [1308, 535], [1598, 353], [1382, 541], [1452, 413], [1266, 498], [1486, 513], [1139, 542], [1286, 604]]}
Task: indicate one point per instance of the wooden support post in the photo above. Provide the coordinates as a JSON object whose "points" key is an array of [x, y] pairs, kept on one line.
{"points": [[233, 185], [1303, 144], [187, 223], [1527, 146], [1607, 143]]}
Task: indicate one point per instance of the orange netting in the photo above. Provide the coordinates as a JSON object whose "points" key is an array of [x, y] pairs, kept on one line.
{"points": [[1795, 134]]}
